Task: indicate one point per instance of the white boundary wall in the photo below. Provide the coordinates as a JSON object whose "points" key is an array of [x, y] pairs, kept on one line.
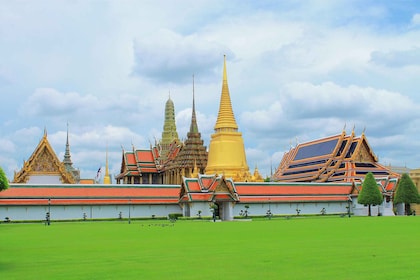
{"points": [[68, 212], [260, 209], [230, 210]]}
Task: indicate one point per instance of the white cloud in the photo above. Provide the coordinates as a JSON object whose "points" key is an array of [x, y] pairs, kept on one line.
{"points": [[415, 20], [155, 59], [50, 102]]}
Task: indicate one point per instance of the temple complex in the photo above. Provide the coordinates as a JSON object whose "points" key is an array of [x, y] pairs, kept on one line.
{"points": [[339, 158], [316, 177], [226, 154], [192, 157], [43, 166]]}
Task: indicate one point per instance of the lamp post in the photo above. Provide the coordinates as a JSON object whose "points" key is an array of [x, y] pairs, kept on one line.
{"points": [[49, 211]]}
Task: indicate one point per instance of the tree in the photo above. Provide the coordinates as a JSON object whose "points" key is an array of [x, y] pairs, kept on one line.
{"points": [[370, 194], [406, 193], [4, 183]]}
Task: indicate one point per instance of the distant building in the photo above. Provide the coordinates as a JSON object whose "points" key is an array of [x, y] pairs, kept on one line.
{"points": [[399, 169], [339, 158], [44, 167]]}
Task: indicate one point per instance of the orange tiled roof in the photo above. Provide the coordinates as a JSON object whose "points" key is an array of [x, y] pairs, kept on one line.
{"points": [[136, 162], [208, 188], [293, 192], [97, 194]]}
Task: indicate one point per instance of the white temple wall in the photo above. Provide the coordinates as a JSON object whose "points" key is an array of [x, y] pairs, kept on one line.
{"points": [[204, 207], [260, 209], [385, 209], [68, 212], [230, 210]]}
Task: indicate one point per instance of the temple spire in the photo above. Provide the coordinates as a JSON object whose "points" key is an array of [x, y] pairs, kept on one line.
{"points": [[227, 150], [193, 126], [169, 133], [67, 156], [225, 118], [169, 127], [68, 164], [107, 178]]}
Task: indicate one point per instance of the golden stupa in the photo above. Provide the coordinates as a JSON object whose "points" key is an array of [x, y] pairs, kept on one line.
{"points": [[227, 150]]}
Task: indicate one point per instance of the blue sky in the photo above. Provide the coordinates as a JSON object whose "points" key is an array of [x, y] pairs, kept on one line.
{"points": [[297, 71]]}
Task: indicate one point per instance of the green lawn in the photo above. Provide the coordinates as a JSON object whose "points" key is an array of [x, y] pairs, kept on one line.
{"points": [[298, 248]]}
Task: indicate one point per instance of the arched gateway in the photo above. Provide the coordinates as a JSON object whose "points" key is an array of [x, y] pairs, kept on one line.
{"points": [[208, 193]]}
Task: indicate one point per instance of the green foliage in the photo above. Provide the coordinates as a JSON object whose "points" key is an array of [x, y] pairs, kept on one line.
{"points": [[370, 194], [174, 216], [4, 183], [406, 191]]}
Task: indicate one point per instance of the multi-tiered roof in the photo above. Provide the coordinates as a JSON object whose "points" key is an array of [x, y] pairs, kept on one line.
{"points": [[339, 158]]}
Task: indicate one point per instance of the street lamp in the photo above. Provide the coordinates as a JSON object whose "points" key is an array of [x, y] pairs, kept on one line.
{"points": [[48, 218]]}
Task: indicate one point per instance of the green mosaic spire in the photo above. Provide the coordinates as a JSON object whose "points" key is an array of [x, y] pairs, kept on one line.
{"points": [[169, 127]]}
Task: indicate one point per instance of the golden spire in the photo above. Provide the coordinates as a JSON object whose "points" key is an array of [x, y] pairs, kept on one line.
{"points": [[227, 150], [225, 118], [107, 178]]}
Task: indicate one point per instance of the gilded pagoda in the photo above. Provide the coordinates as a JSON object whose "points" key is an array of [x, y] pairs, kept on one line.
{"points": [[227, 151]]}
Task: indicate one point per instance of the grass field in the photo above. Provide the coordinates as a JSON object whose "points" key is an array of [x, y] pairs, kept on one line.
{"points": [[298, 248]]}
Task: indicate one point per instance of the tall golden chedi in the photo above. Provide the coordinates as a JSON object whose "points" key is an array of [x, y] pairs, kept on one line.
{"points": [[227, 150], [107, 177]]}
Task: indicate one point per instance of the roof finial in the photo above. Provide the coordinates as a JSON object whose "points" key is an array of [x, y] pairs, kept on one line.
{"points": [[45, 132], [67, 156], [224, 68], [193, 126]]}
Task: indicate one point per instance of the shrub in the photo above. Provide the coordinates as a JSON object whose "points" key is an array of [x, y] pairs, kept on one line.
{"points": [[174, 216]]}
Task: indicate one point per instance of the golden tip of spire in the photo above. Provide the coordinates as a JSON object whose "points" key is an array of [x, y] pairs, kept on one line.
{"points": [[224, 68]]}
